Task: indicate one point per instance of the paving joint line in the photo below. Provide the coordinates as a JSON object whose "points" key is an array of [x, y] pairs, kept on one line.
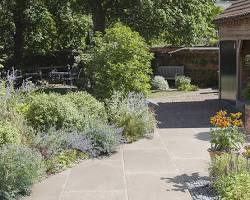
{"points": [[124, 175], [177, 169]]}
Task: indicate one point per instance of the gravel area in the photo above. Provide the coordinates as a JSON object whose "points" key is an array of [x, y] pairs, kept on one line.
{"points": [[200, 95], [201, 190]]}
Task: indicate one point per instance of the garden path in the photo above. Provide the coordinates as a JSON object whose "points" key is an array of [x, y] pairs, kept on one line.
{"points": [[150, 169]]}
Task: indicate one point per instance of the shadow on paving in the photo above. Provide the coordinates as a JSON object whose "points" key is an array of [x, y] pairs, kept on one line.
{"points": [[198, 186], [179, 182], [193, 114]]}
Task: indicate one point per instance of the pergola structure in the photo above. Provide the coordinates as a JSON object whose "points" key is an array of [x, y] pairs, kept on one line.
{"points": [[234, 60], [234, 33]]}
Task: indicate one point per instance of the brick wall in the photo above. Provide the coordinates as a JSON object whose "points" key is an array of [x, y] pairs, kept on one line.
{"points": [[200, 65]]}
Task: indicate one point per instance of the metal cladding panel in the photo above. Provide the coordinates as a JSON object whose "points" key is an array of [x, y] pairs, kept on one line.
{"points": [[228, 63]]}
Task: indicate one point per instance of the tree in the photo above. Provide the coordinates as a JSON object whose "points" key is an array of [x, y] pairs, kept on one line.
{"points": [[120, 62], [174, 21], [41, 27]]}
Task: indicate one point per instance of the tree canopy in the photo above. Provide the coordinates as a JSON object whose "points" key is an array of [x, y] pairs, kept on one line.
{"points": [[172, 21], [40, 27]]}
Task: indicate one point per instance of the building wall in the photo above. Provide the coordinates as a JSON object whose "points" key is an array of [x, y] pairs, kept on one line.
{"points": [[234, 30], [201, 66]]}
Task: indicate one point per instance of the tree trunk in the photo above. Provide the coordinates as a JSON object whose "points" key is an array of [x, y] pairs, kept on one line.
{"points": [[98, 16], [19, 32]]}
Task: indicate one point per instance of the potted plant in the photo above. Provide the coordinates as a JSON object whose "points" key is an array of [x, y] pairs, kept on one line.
{"points": [[226, 135]]}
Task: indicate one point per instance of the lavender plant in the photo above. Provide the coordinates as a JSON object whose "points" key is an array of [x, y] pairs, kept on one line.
{"points": [[98, 139], [132, 114], [50, 142], [20, 168]]}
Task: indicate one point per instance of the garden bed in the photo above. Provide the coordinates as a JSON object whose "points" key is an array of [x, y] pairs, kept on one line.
{"points": [[42, 134]]}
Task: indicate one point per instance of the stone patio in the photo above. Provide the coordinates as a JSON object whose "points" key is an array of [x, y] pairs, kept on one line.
{"points": [[150, 169]]}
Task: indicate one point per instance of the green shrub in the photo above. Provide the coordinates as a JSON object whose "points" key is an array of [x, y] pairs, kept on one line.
{"points": [[220, 165], [233, 187], [9, 134], [226, 139], [53, 110], [104, 139], [88, 105], [159, 83], [183, 83], [121, 62], [71, 111], [131, 113], [20, 168], [64, 160]]}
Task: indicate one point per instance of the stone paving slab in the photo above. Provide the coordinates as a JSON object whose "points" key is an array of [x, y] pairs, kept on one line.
{"points": [[156, 187], [49, 189], [103, 175], [112, 195], [148, 161], [150, 169]]}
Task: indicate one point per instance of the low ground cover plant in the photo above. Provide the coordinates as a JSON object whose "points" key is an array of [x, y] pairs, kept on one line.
{"points": [[159, 83], [132, 114], [235, 186], [183, 83], [227, 163], [230, 176]]}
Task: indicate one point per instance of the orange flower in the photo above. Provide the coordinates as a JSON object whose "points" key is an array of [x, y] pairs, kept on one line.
{"points": [[222, 119]]}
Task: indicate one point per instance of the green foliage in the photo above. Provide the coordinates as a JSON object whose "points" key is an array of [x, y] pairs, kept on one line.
{"points": [[64, 160], [159, 83], [41, 33], [174, 22], [246, 92], [131, 113], [9, 134], [72, 23], [71, 111], [247, 61], [234, 187], [183, 83], [120, 62], [222, 165], [51, 110], [50, 142], [88, 105], [104, 139], [20, 168], [226, 139]]}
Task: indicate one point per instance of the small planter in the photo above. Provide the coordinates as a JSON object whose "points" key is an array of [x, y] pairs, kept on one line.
{"points": [[214, 154]]}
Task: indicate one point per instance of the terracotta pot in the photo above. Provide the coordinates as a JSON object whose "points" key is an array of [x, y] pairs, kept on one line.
{"points": [[213, 154]]}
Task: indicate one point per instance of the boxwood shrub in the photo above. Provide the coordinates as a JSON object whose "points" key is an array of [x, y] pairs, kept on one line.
{"points": [[51, 110], [88, 105], [70, 111]]}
